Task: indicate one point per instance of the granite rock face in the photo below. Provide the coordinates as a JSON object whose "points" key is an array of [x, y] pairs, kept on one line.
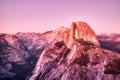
{"points": [[62, 54]]}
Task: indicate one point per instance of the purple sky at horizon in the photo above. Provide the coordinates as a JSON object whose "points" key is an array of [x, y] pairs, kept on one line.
{"points": [[42, 15]]}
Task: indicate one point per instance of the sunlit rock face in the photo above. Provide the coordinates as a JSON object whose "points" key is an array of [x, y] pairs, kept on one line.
{"points": [[83, 30], [80, 31]]}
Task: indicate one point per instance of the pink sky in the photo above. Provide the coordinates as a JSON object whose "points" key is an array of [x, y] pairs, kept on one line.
{"points": [[42, 15]]}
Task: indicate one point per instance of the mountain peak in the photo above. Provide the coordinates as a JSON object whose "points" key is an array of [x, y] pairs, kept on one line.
{"points": [[84, 31], [81, 30]]}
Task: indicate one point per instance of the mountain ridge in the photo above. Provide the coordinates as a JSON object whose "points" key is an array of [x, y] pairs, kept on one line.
{"points": [[62, 54]]}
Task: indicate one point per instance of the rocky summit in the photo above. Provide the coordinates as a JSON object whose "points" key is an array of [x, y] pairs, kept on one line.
{"points": [[62, 54]]}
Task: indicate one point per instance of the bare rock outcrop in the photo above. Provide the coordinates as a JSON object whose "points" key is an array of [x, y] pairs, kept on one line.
{"points": [[80, 31]]}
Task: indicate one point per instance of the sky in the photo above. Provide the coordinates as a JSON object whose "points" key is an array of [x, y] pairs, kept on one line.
{"points": [[43, 15]]}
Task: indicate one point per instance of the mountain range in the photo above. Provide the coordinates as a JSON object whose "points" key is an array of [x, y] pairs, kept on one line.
{"points": [[74, 53]]}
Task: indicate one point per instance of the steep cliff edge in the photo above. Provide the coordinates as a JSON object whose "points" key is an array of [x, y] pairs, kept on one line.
{"points": [[80, 31]]}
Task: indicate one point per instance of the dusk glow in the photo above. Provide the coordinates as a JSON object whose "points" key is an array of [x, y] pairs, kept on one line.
{"points": [[42, 15]]}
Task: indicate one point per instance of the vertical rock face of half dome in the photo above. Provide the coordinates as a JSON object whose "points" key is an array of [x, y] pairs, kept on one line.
{"points": [[83, 30], [80, 31]]}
